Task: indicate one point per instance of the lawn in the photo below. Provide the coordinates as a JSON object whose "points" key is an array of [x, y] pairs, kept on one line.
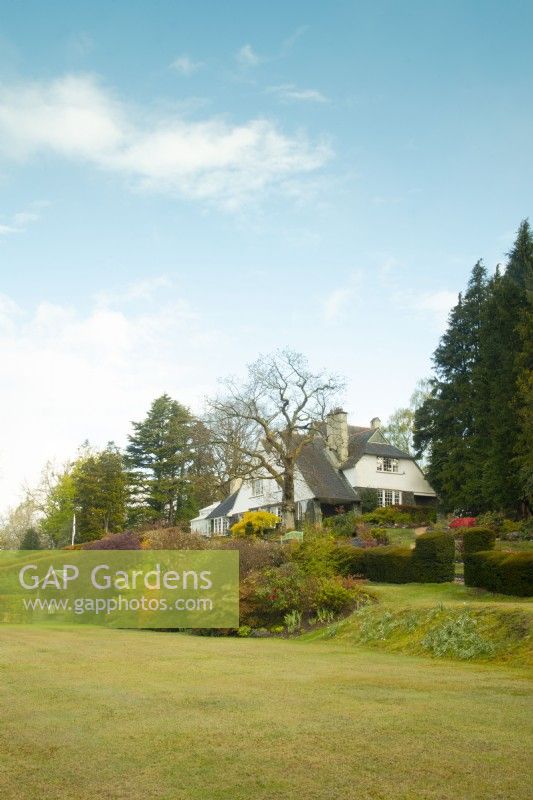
{"points": [[93, 713], [452, 594], [401, 536]]}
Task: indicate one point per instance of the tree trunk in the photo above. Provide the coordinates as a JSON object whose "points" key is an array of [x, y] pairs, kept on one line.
{"points": [[288, 504]]}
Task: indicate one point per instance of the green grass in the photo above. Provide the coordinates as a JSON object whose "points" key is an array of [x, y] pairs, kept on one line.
{"points": [[401, 536], [514, 547], [429, 594], [91, 713], [445, 620]]}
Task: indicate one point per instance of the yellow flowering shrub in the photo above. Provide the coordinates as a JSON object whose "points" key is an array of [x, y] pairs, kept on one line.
{"points": [[254, 523]]}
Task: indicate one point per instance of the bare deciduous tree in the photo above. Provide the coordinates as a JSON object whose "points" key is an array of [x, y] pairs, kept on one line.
{"points": [[271, 417]]}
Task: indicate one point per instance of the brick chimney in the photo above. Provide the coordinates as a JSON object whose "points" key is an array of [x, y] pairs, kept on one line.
{"points": [[375, 423], [337, 434]]}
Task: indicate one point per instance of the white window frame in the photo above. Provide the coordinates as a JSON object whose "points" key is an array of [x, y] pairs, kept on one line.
{"points": [[220, 525], [258, 489], [387, 464], [389, 497]]}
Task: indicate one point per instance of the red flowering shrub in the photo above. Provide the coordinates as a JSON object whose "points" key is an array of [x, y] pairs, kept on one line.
{"points": [[463, 522]]}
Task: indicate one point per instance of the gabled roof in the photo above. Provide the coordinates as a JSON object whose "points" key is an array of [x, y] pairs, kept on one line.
{"points": [[382, 449], [360, 443], [324, 479], [224, 508]]}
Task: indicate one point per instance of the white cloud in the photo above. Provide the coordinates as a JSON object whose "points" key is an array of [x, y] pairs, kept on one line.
{"points": [[246, 56], [433, 305], [288, 92], [186, 66], [337, 301], [438, 303], [17, 223], [144, 289], [68, 375], [212, 160]]}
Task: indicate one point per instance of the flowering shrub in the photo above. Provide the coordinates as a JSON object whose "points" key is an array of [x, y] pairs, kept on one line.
{"points": [[255, 523], [463, 522]]}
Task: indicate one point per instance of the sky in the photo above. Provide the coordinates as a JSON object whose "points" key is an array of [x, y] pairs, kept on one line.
{"points": [[187, 185]]}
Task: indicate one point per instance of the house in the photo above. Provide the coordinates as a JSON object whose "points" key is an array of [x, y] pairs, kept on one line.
{"points": [[332, 473]]}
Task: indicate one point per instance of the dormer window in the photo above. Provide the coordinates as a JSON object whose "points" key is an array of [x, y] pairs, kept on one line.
{"points": [[385, 464], [257, 487]]}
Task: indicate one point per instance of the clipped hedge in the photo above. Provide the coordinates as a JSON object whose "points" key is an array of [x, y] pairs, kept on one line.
{"points": [[433, 558], [390, 564], [351, 560], [476, 539], [501, 572], [432, 561]]}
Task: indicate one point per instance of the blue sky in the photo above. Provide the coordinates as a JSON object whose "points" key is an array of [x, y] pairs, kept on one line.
{"points": [[186, 185]]}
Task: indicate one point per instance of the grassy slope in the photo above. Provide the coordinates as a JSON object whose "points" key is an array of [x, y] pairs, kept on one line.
{"points": [[407, 613], [90, 713]]}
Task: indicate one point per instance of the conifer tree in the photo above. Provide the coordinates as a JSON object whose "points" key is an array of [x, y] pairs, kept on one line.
{"points": [[504, 364], [477, 424], [100, 493], [30, 540], [158, 457], [445, 424]]}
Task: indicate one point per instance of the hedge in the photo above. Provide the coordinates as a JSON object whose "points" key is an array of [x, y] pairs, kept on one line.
{"points": [[476, 539], [389, 564], [500, 571], [433, 558], [432, 561], [351, 560]]}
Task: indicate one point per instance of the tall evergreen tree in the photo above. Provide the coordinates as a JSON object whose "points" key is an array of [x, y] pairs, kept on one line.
{"points": [[504, 364], [478, 424], [524, 442], [158, 457], [445, 424]]}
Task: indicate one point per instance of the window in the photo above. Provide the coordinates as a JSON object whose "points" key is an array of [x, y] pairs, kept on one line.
{"points": [[220, 525], [389, 497], [257, 487], [386, 464]]}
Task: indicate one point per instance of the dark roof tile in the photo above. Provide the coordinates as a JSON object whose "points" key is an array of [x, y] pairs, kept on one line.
{"points": [[324, 479], [224, 508]]}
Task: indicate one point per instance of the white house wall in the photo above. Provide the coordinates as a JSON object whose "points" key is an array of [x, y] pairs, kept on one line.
{"points": [[271, 494], [409, 477]]}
